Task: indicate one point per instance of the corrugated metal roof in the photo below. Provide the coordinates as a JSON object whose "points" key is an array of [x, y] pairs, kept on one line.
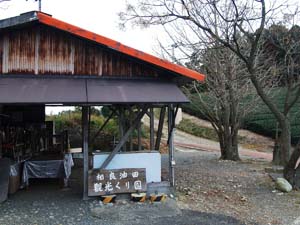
{"points": [[117, 46], [16, 90]]}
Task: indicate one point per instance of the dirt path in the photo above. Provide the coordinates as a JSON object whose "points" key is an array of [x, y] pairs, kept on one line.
{"points": [[250, 140], [189, 141], [252, 147]]}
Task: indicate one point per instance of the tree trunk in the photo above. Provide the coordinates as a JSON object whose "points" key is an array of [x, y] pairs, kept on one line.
{"points": [[229, 149], [290, 168], [282, 151], [221, 142], [285, 136]]}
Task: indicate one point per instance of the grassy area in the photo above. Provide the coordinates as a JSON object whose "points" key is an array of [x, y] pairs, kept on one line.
{"points": [[189, 127], [261, 120]]}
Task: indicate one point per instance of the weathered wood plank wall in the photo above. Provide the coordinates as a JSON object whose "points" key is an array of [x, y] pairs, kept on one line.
{"points": [[47, 51]]}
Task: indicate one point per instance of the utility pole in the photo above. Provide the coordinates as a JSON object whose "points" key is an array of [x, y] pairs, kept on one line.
{"points": [[40, 4]]}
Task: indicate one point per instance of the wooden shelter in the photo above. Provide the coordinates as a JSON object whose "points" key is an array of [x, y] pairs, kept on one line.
{"points": [[46, 61]]}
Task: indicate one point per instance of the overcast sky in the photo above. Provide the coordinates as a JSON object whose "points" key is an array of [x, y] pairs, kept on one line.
{"points": [[99, 16]]}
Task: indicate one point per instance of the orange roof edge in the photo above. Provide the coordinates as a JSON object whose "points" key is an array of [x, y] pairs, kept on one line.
{"points": [[48, 20]]}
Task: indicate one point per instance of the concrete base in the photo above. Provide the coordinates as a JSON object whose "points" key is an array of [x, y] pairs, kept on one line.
{"points": [[159, 187], [136, 213]]}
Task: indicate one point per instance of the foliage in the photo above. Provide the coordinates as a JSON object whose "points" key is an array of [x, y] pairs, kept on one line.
{"points": [[106, 111], [282, 46], [261, 120], [189, 127], [71, 121]]}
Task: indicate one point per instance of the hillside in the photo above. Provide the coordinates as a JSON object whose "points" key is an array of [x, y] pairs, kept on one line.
{"points": [[261, 120]]}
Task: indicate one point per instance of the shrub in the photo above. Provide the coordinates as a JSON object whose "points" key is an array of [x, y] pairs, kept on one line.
{"points": [[188, 126], [260, 120], [71, 121]]}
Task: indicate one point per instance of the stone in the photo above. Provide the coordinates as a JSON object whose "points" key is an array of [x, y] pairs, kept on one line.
{"points": [[283, 185]]}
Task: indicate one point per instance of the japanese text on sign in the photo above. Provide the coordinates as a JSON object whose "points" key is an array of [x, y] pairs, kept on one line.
{"points": [[103, 182]]}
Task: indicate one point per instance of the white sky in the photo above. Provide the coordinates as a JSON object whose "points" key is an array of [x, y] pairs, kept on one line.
{"points": [[99, 16]]}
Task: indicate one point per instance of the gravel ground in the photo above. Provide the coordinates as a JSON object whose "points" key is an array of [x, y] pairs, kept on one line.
{"points": [[46, 203], [239, 189], [208, 191]]}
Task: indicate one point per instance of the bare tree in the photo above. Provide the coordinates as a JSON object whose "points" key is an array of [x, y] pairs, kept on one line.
{"points": [[233, 20], [226, 96]]}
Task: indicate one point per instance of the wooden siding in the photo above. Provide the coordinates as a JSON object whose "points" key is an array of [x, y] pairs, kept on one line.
{"points": [[21, 51], [54, 52], [44, 50]]}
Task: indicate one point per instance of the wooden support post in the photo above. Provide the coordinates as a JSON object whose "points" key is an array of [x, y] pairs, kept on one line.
{"points": [[89, 124], [124, 138], [171, 145], [151, 129], [85, 147], [160, 127], [130, 124], [122, 125], [139, 131]]}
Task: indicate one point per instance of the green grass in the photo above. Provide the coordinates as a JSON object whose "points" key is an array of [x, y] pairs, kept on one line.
{"points": [[189, 127]]}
